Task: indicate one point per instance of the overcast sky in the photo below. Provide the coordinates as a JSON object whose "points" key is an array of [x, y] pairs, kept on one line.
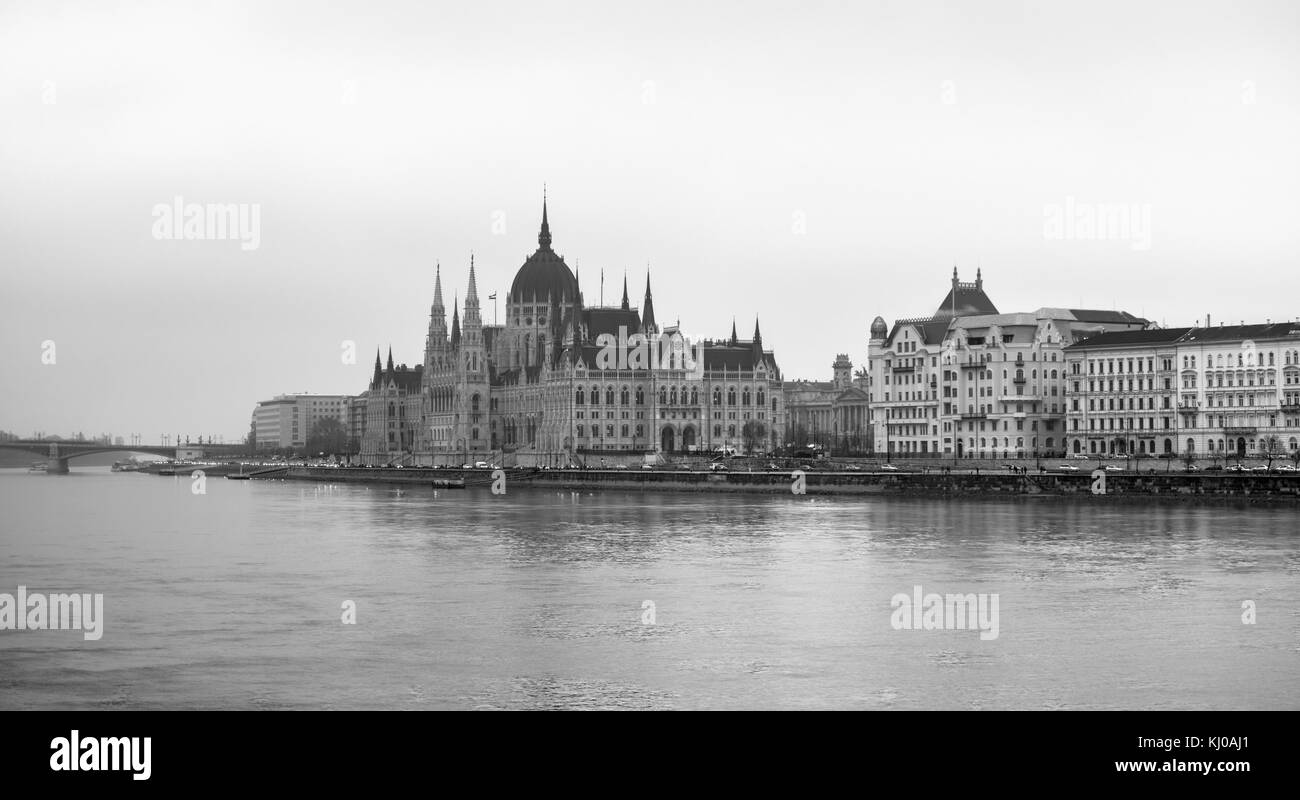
{"points": [[812, 164]]}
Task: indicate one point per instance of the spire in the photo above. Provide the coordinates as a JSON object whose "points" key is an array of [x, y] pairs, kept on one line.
{"points": [[954, 276], [544, 236], [734, 340], [758, 337], [379, 369], [979, 278], [472, 296], [390, 358], [648, 308], [437, 288], [626, 306], [455, 323]]}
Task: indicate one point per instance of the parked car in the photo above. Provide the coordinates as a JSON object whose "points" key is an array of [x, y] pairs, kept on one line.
{"points": [[1068, 468], [1113, 468], [889, 468], [718, 467]]}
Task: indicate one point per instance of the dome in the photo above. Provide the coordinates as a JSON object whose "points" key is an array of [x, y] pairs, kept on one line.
{"points": [[879, 329], [544, 274]]}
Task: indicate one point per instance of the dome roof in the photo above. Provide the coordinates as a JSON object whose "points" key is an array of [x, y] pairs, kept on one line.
{"points": [[544, 274], [879, 329]]}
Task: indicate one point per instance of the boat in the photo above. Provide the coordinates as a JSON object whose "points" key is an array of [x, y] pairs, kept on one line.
{"points": [[241, 476], [37, 466], [449, 483]]}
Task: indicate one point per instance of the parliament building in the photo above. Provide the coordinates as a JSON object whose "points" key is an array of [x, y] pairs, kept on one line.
{"points": [[561, 382]]}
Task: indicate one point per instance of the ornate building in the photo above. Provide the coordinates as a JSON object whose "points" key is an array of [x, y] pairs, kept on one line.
{"points": [[560, 381], [970, 382], [831, 414]]}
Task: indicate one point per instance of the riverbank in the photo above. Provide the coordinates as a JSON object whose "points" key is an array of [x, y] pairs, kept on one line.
{"points": [[1170, 485]]}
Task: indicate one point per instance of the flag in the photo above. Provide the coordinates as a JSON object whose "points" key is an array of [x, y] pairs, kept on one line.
{"points": [[492, 296]]}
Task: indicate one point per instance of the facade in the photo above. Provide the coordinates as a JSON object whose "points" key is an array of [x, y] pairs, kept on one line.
{"points": [[1229, 392], [560, 382], [832, 415], [286, 420], [969, 382], [392, 413]]}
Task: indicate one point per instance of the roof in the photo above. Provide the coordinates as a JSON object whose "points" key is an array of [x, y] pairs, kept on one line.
{"points": [[1224, 333], [1122, 338], [542, 277], [965, 299], [608, 320]]}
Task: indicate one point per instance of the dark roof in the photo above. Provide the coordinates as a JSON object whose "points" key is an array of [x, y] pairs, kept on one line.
{"points": [[609, 320], [1276, 330], [407, 378], [543, 276], [967, 299], [742, 356], [1114, 317], [1120, 338], [932, 330]]}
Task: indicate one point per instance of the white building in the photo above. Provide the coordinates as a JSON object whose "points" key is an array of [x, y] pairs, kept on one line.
{"points": [[286, 420], [1226, 392]]}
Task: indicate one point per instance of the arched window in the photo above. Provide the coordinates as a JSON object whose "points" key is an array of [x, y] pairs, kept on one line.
{"points": [[731, 395], [624, 396], [695, 397], [640, 395], [663, 396], [609, 395], [744, 397], [761, 401], [581, 397], [717, 396], [672, 396]]}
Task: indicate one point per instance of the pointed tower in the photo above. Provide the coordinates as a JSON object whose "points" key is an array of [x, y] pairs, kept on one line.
{"points": [[379, 371], [626, 305], [390, 359], [733, 341], [436, 345], [758, 337], [455, 324], [648, 325], [544, 235]]}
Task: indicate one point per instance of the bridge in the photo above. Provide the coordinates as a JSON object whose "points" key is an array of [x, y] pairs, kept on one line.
{"points": [[58, 452]]}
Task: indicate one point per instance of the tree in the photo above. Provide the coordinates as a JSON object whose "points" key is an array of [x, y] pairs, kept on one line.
{"points": [[1272, 449], [327, 436], [799, 436], [1189, 458], [252, 437], [753, 433]]}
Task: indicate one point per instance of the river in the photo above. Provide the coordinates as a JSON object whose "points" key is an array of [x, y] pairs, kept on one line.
{"points": [[236, 598]]}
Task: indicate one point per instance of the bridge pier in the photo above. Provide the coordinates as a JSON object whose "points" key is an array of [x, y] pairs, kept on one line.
{"points": [[56, 466]]}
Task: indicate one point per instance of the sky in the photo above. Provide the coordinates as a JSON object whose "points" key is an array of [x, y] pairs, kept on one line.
{"points": [[812, 165]]}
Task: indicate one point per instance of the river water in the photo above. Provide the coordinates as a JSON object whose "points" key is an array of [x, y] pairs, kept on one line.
{"points": [[235, 598]]}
